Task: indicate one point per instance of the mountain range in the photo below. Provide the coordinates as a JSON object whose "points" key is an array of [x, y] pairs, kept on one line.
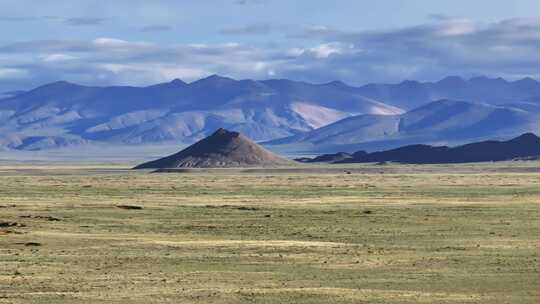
{"points": [[439, 122], [281, 112], [411, 94], [522, 147], [62, 113]]}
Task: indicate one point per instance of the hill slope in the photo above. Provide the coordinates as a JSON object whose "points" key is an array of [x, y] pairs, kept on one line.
{"points": [[223, 149]]}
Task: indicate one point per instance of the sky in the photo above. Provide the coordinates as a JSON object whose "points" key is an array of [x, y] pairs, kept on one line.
{"points": [[142, 42]]}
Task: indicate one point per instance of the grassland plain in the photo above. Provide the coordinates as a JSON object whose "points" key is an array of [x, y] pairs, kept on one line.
{"points": [[389, 234]]}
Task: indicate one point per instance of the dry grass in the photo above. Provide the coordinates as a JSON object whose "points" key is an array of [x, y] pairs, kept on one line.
{"points": [[439, 234]]}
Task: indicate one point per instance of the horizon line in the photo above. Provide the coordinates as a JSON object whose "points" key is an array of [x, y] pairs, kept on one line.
{"points": [[450, 77]]}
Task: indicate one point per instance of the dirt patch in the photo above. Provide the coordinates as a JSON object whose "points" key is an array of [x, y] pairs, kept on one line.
{"points": [[242, 208], [129, 207], [4, 228], [48, 218], [9, 231], [11, 224], [247, 208], [32, 244]]}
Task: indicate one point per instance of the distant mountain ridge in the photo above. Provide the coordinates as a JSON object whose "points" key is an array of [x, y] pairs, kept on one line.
{"points": [[66, 114], [524, 146], [439, 122], [411, 94]]}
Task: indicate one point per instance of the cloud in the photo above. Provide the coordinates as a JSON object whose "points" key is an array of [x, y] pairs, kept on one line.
{"points": [[326, 50], [254, 29], [45, 46], [74, 21], [11, 73], [27, 18], [507, 48], [258, 29], [440, 17], [83, 21], [57, 57], [156, 28], [432, 50], [106, 61], [19, 19]]}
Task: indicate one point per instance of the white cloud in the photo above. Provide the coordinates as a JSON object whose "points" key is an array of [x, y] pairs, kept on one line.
{"points": [[447, 46], [142, 74], [325, 50], [443, 47], [10, 73], [296, 52], [456, 27], [57, 57], [110, 42]]}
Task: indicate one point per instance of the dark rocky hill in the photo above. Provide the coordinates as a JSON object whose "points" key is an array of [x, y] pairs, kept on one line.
{"points": [[223, 149], [522, 147], [326, 158]]}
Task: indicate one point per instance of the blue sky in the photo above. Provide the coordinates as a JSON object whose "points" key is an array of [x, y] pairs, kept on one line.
{"points": [[140, 42]]}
